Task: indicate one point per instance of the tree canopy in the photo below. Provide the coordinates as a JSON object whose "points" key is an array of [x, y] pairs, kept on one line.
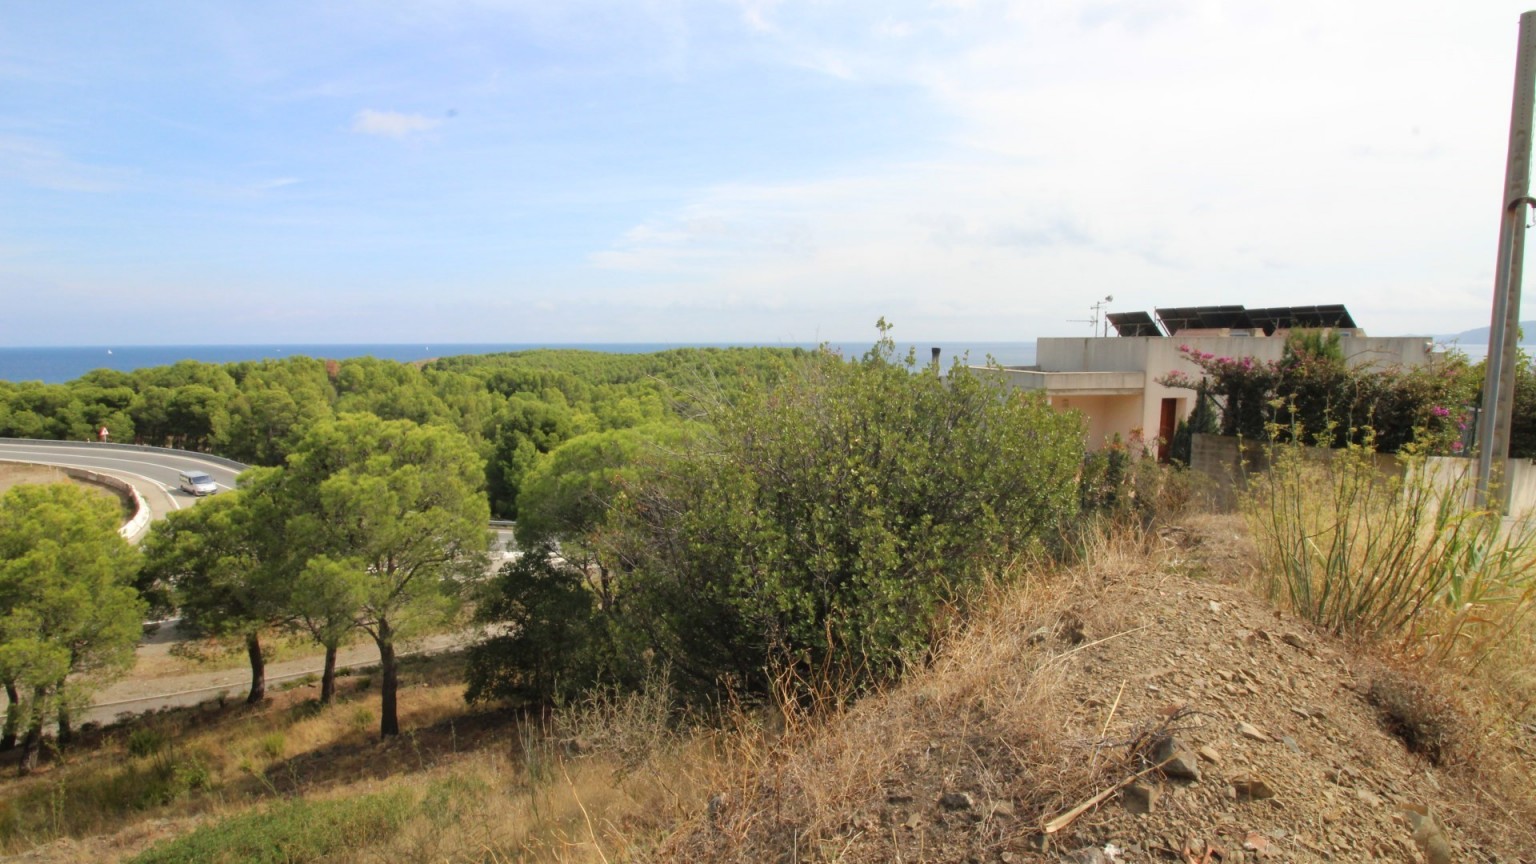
{"points": [[69, 615]]}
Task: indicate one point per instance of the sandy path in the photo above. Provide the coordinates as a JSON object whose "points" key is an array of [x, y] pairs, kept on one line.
{"points": [[138, 694]]}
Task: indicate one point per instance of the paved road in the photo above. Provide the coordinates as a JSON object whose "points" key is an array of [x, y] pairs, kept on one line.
{"points": [[152, 471]]}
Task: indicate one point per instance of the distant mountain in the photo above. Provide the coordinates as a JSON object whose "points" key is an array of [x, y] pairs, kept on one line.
{"points": [[1479, 336]]}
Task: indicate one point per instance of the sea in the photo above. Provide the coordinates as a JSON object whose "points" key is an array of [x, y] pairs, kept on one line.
{"points": [[56, 365]]}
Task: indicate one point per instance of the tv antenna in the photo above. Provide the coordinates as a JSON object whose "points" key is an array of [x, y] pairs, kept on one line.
{"points": [[1098, 313]]}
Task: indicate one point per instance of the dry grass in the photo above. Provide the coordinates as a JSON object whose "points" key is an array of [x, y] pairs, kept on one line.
{"points": [[17, 473], [986, 717], [613, 778], [607, 781]]}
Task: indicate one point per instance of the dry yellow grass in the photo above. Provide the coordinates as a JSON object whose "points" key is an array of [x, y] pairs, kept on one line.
{"points": [[619, 778], [605, 782], [808, 791], [17, 473]]}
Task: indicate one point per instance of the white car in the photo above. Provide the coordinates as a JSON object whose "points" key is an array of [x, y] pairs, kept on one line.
{"points": [[197, 483]]}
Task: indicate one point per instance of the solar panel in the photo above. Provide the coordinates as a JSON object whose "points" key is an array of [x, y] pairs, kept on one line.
{"points": [[1177, 318], [1221, 317], [1134, 324], [1291, 317]]}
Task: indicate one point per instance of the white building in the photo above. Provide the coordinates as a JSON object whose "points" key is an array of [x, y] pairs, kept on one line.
{"points": [[1113, 380]]}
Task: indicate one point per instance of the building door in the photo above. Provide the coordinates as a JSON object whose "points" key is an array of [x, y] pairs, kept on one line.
{"points": [[1165, 428]]}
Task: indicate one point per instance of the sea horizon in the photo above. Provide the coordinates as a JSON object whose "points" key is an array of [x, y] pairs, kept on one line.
{"points": [[59, 364]]}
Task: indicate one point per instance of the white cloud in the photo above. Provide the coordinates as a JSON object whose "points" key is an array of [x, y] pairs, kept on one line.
{"points": [[1281, 153], [392, 124], [42, 165]]}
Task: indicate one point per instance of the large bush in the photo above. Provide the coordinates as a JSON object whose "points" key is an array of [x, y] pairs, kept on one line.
{"points": [[828, 523], [1312, 390]]}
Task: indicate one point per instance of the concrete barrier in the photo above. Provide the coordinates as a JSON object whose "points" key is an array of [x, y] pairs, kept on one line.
{"points": [[121, 488]]}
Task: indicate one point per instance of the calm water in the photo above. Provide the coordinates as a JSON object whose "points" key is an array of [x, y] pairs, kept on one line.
{"points": [[59, 364]]}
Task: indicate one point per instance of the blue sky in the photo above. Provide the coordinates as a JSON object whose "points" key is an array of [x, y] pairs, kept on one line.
{"points": [[484, 171]]}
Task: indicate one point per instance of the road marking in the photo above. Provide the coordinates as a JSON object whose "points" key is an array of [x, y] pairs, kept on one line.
{"points": [[53, 452], [161, 458], [164, 487]]}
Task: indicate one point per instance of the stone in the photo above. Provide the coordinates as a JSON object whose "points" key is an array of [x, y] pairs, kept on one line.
{"points": [[1251, 787], [1177, 762], [1257, 843], [1209, 754], [716, 810], [1429, 835], [1088, 855], [1290, 743], [1139, 798], [957, 801], [1248, 730], [1294, 641], [1000, 809], [1368, 797]]}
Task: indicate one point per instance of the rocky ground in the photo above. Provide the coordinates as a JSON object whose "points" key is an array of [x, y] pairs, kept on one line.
{"points": [[1186, 720]]}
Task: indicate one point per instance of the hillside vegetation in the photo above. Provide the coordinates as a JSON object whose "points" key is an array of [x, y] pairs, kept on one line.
{"points": [[812, 609]]}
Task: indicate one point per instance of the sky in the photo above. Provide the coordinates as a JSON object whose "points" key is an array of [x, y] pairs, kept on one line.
{"points": [[752, 171]]}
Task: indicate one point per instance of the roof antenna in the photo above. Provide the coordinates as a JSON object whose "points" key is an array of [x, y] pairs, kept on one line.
{"points": [[1097, 309]]}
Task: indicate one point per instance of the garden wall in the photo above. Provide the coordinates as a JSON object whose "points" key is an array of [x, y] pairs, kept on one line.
{"points": [[1226, 463]]}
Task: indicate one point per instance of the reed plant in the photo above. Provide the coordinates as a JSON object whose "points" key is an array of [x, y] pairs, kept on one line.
{"points": [[1390, 549]]}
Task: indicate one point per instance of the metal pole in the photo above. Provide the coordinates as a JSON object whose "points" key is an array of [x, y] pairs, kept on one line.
{"points": [[1499, 384]]}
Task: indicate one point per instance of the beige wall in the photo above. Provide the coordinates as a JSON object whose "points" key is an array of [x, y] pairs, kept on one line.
{"points": [[1105, 416], [1113, 380], [1154, 357]]}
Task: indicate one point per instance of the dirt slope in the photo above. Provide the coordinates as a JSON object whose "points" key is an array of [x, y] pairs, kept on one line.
{"points": [[1272, 746]]}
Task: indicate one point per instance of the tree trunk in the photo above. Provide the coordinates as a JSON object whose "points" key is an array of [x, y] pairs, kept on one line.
{"points": [[66, 734], [389, 719], [12, 717], [258, 669], [32, 746], [328, 677]]}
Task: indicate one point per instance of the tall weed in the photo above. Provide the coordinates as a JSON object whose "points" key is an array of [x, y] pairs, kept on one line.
{"points": [[289, 832], [1390, 549]]}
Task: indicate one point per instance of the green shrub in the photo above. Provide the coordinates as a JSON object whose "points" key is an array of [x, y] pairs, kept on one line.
{"points": [[291, 832], [146, 741], [550, 631], [272, 745], [831, 522], [1313, 389]]}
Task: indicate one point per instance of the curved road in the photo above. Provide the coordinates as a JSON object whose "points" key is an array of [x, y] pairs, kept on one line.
{"points": [[151, 470]]}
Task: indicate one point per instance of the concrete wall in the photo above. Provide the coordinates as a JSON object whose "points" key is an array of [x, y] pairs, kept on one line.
{"points": [[1085, 383], [1217, 457], [1519, 476], [1157, 355], [1153, 357], [1106, 416]]}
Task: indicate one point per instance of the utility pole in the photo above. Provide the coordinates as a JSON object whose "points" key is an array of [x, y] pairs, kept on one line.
{"points": [[1499, 385]]}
